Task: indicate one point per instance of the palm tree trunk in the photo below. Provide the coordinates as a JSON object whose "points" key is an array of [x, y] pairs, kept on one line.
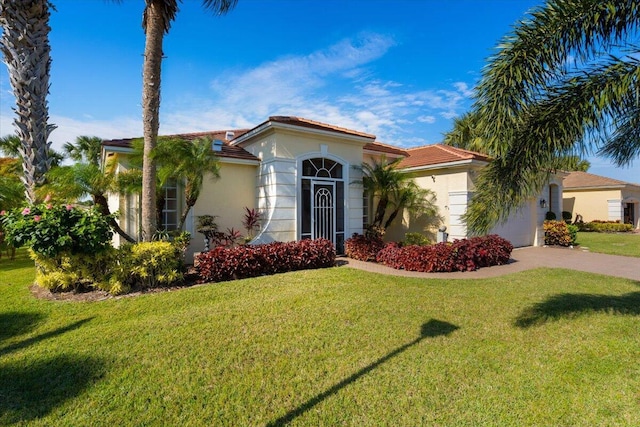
{"points": [[155, 27], [380, 210], [183, 217], [393, 216], [101, 201], [25, 46]]}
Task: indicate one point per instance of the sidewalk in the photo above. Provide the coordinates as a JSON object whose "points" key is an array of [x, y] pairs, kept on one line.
{"points": [[526, 259]]}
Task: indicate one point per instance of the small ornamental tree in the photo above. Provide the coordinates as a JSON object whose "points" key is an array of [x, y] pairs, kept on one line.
{"points": [[50, 230], [70, 246]]}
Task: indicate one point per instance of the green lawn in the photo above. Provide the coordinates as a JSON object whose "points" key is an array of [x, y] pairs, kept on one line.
{"points": [[324, 348], [627, 244]]}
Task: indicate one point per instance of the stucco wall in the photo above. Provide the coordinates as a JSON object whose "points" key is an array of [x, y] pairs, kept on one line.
{"points": [[281, 152], [225, 197], [442, 182], [591, 204]]}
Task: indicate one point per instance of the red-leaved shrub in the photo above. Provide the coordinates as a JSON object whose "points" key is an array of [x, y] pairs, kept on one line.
{"points": [[363, 248], [221, 264], [460, 255]]}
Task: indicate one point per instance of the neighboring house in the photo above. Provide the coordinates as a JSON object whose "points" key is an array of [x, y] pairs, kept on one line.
{"points": [[597, 197], [450, 172], [303, 175]]}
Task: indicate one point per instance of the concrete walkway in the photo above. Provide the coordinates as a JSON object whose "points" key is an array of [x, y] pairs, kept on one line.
{"points": [[526, 259]]}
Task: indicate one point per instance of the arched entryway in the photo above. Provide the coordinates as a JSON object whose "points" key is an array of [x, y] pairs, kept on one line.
{"points": [[321, 208]]}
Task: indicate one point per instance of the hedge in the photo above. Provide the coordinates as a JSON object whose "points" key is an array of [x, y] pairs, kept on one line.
{"points": [[460, 255], [363, 248], [222, 264], [605, 227]]}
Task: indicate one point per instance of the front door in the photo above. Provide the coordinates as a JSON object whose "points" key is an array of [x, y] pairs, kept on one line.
{"points": [[322, 201], [323, 211], [629, 214]]}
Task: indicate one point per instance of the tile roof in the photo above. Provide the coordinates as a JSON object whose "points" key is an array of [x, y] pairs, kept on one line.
{"points": [[228, 151], [430, 155], [578, 179], [385, 149], [302, 122]]}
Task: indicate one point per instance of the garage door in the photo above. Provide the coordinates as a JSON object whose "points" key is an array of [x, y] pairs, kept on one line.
{"points": [[518, 229]]}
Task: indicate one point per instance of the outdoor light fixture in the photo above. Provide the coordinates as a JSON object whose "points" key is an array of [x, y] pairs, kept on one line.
{"points": [[543, 203], [433, 177]]}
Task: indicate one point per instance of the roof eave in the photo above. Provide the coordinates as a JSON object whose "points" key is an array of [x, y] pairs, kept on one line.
{"points": [[264, 127], [457, 163], [594, 187], [384, 153]]}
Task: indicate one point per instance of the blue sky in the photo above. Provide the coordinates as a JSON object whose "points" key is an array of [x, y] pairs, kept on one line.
{"points": [[401, 70]]}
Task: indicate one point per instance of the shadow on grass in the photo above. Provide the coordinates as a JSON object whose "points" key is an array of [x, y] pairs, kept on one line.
{"points": [[17, 323], [21, 260], [26, 343], [565, 306], [430, 329], [32, 390]]}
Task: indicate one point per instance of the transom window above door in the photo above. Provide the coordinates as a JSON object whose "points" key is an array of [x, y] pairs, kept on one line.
{"points": [[322, 168]]}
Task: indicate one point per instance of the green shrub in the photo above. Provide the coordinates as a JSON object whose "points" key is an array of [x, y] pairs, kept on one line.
{"points": [[573, 233], [417, 239], [145, 265], [605, 227], [550, 216], [73, 272], [557, 233], [51, 230], [566, 216]]}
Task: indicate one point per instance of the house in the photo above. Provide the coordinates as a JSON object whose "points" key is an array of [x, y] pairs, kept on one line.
{"points": [[302, 175], [450, 173], [597, 197]]}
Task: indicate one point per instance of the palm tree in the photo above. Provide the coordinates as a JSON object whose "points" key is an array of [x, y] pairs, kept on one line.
{"points": [[414, 199], [87, 178], [564, 82], [25, 46], [156, 21], [466, 136], [394, 190], [188, 162], [11, 189], [85, 149], [10, 145]]}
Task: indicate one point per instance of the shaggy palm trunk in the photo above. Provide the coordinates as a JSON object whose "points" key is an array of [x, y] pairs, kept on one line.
{"points": [[155, 27], [26, 50]]}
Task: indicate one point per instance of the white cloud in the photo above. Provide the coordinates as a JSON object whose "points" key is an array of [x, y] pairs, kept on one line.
{"points": [[463, 88], [426, 119]]}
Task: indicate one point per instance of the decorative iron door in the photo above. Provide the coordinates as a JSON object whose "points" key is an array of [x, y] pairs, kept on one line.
{"points": [[322, 201], [323, 211]]}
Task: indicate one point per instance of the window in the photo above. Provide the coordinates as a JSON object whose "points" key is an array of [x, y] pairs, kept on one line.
{"points": [[169, 217], [366, 209]]}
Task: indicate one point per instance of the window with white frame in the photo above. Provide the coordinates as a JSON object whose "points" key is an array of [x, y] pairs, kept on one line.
{"points": [[170, 210], [366, 209]]}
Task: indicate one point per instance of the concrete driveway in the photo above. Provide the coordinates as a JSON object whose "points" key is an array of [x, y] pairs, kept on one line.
{"points": [[526, 259]]}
